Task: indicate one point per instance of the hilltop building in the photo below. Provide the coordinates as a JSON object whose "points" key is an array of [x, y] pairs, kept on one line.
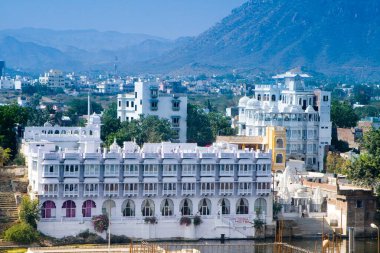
{"points": [[305, 114], [147, 100]]}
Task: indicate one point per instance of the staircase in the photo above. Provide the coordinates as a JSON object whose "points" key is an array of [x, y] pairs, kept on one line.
{"points": [[310, 227], [8, 207]]}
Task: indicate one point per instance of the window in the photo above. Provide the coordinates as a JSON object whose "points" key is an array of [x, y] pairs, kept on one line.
{"points": [[150, 188], [188, 188], [91, 170], [208, 169], [48, 210], [91, 190], [147, 208], [170, 169], [70, 190], [226, 188], [153, 105], [111, 170], [71, 170], [244, 188], [50, 189], [359, 203], [135, 94], [188, 169], [279, 143], [204, 207], [111, 189], [132, 104], [273, 97], [131, 189], [50, 170], [120, 103], [226, 169], [279, 158], [207, 188], [260, 206], [175, 121], [225, 207], [128, 208], [169, 189], [87, 208], [167, 207], [69, 208], [242, 206], [131, 170], [150, 169], [245, 170], [325, 98], [175, 105], [186, 207]]}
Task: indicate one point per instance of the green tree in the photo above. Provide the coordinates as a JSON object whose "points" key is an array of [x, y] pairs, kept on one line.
{"points": [[220, 124], [79, 107], [367, 111], [21, 233], [29, 211], [199, 128], [335, 163], [5, 155], [342, 115], [111, 124]]}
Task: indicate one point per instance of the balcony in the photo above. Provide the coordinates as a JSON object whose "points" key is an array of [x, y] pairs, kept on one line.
{"points": [[188, 192], [70, 193], [90, 193], [49, 193], [131, 173], [114, 193], [227, 155], [50, 174], [189, 155], [150, 192], [263, 191], [169, 192], [226, 173], [131, 192], [51, 156], [244, 192], [208, 173], [207, 192], [226, 192]]}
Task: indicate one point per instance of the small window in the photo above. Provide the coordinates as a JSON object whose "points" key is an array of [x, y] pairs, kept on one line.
{"points": [[135, 94], [119, 103], [127, 104], [325, 98], [359, 203], [132, 104]]}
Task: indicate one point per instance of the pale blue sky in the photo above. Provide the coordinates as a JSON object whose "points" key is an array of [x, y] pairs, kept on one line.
{"points": [[166, 18]]}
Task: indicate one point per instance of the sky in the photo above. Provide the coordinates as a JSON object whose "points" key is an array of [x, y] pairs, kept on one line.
{"points": [[164, 18]]}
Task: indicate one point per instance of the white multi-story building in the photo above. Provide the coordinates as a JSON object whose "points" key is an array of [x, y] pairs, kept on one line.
{"points": [[304, 113], [6, 83], [54, 79], [74, 180], [146, 100]]}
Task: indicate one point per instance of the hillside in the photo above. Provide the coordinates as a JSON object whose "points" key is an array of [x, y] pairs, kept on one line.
{"points": [[340, 37]]}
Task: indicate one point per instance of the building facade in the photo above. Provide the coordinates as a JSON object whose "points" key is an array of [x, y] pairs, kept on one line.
{"points": [[146, 100], [74, 180], [304, 113], [54, 79]]}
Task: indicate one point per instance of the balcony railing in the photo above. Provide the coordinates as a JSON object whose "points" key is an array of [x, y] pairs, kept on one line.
{"points": [[131, 193], [111, 193], [90, 193], [70, 193], [188, 192]]}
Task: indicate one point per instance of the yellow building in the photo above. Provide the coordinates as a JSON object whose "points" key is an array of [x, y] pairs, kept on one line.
{"points": [[275, 140]]}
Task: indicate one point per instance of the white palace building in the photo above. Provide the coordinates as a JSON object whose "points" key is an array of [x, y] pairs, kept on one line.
{"points": [[74, 179], [304, 113]]}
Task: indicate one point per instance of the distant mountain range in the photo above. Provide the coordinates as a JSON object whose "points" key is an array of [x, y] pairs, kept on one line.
{"points": [[337, 38]]}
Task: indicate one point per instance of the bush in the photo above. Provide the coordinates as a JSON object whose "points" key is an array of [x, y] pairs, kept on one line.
{"points": [[100, 223], [120, 239], [29, 211], [19, 159], [197, 220], [185, 221], [21, 233]]}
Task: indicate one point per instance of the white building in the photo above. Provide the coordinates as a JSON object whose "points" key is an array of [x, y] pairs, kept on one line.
{"points": [[146, 100], [74, 180], [304, 113], [54, 79], [6, 83]]}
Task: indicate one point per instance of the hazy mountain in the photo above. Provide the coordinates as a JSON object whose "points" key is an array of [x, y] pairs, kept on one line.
{"points": [[334, 37]]}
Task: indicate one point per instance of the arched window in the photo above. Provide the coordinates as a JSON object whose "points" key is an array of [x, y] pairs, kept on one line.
{"points": [[259, 97], [273, 97], [87, 207], [242, 206], [186, 207], [108, 207], [167, 207], [48, 210], [56, 132], [63, 132], [279, 158], [70, 206], [225, 206], [204, 207], [147, 208], [50, 132], [279, 143], [76, 132], [260, 205], [90, 132], [128, 208]]}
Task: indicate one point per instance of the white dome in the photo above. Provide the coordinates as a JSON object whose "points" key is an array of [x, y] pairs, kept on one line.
{"points": [[243, 101], [295, 109], [253, 103], [47, 124], [114, 146]]}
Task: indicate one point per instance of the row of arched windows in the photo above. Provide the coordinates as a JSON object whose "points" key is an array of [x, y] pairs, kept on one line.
{"points": [[68, 132], [128, 209]]}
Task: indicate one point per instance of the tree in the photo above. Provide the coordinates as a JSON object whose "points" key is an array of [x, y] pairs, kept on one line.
{"points": [[342, 115], [362, 94], [220, 124], [21, 233], [29, 211], [371, 142], [198, 126], [79, 107], [335, 163], [5, 155], [367, 111], [111, 124]]}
